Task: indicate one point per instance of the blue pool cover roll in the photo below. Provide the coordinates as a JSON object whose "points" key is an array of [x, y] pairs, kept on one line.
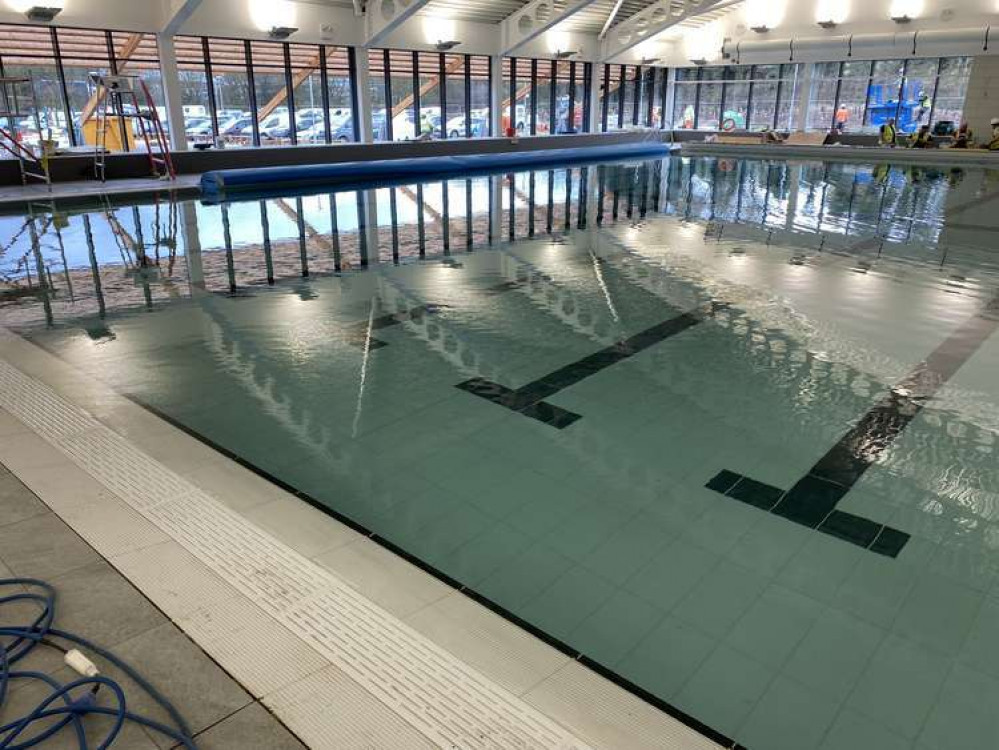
{"points": [[219, 182]]}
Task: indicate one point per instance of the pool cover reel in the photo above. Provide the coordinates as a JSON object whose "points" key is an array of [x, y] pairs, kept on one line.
{"points": [[217, 183], [71, 703]]}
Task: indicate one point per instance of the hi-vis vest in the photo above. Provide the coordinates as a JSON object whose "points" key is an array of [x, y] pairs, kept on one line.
{"points": [[887, 133]]}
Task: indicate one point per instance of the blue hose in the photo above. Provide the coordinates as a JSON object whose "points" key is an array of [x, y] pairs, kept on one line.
{"points": [[68, 705]]}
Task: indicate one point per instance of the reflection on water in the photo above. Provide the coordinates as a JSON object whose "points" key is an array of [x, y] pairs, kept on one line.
{"points": [[59, 264]]}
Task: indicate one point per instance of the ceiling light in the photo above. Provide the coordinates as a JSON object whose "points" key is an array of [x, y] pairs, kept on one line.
{"points": [[566, 54], [903, 11], [42, 13], [699, 61], [760, 29], [445, 46], [649, 60], [831, 13], [281, 32]]}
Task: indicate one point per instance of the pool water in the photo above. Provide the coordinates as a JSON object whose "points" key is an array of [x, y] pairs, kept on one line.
{"points": [[724, 429]]}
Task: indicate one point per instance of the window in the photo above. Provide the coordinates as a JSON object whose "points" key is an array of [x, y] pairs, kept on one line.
{"points": [[764, 101], [612, 97], [231, 86], [854, 79], [338, 87], [952, 85], [883, 94], [787, 112], [710, 99], [822, 96], [478, 70], [735, 114], [685, 98], [454, 88]]}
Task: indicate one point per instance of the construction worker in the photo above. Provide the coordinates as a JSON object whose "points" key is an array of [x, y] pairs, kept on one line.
{"points": [[963, 137], [994, 141], [924, 104], [886, 136], [922, 138], [842, 115]]}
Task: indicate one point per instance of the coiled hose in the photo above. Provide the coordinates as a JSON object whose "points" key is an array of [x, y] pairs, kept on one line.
{"points": [[67, 705]]}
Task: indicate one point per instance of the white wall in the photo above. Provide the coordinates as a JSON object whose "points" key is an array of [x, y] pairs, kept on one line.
{"points": [[129, 15], [232, 18], [865, 17], [982, 101]]}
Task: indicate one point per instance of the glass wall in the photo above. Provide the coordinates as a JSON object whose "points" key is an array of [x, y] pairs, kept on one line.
{"points": [[428, 95], [860, 96], [256, 93], [735, 97], [59, 62], [631, 96], [548, 96]]}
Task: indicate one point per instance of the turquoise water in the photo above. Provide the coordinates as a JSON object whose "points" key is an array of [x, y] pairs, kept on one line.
{"points": [[684, 430]]}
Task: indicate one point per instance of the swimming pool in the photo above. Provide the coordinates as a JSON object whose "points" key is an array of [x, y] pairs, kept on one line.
{"points": [[724, 429]]}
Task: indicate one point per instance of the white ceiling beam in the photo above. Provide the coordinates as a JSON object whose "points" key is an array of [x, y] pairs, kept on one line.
{"points": [[533, 20], [178, 14], [654, 20], [610, 19], [385, 16]]}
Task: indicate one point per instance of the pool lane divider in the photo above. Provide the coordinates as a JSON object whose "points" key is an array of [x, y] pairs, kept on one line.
{"points": [[812, 501], [529, 398]]}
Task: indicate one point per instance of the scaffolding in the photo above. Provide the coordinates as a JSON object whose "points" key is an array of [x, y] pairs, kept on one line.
{"points": [[118, 105], [20, 125]]}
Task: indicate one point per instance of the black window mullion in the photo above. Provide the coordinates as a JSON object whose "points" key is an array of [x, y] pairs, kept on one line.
{"points": [[587, 96], [637, 98], [839, 86], [67, 113], [113, 65], [210, 81], [355, 115], [552, 98], [867, 98], [936, 87], [749, 97], [725, 83], [513, 94], [417, 114], [442, 86], [697, 98], [290, 86], [650, 93], [534, 96], [570, 115], [621, 96], [324, 81], [605, 105], [468, 100], [489, 120], [901, 90], [252, 83], [663, 98], [389, 135]]}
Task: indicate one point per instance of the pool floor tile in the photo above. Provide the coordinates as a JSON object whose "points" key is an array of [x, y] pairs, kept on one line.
{"points": [[672, 573], [571, 599], [725, 689], [774, 625], [667, 657], [834, 654], [789, 716], [615, 628], [721, 598], [853, 730], [900, 685], [939, 613], [965, 716]]}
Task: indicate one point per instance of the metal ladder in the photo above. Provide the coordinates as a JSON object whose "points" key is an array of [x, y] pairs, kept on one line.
{"points": [[33, 166], [117, 91]]}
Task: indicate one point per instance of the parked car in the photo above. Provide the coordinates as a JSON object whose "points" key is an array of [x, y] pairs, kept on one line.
{"points": [[479, 126], [236, 125]]}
